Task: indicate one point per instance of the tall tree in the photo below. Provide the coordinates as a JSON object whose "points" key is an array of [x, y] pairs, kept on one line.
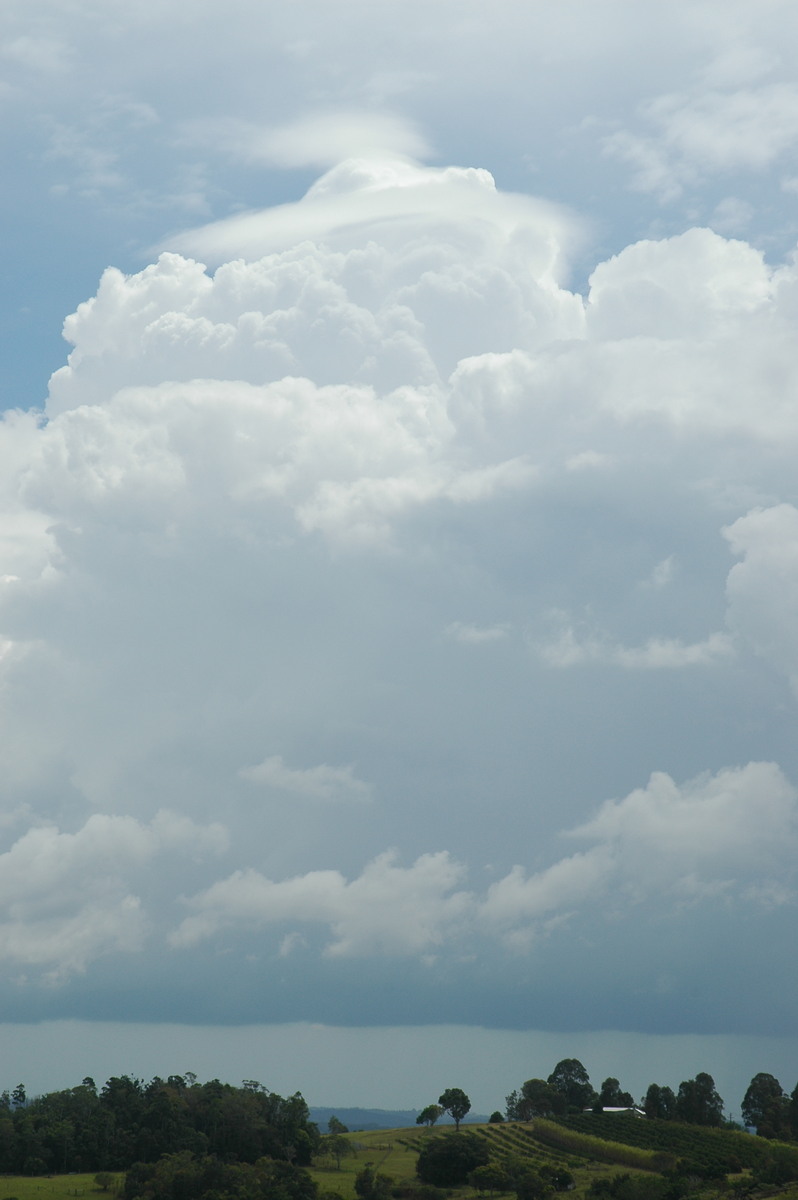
{"points": [[572, 1081], [660, 1102], [793, 1111], [455, 1102], [539, 1099], [765, 1106], [611, 1095], [698, 1101]]}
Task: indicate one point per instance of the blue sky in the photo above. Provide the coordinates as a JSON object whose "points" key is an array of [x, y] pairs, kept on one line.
{"points": [[400, 534]]}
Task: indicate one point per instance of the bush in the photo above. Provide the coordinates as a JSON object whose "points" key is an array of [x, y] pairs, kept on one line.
{"points": [[448, 1161], [490, 1178], [418, 1191], [530, 1186], [560, 1179], [628, 1187], [781, 1165], [371, 1186]]}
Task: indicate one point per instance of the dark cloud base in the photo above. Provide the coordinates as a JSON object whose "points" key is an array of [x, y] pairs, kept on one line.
{"points": [[672, 985]]}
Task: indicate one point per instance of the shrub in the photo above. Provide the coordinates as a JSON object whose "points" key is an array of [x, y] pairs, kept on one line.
{"points": [[448, 1161], [371, 1186]]}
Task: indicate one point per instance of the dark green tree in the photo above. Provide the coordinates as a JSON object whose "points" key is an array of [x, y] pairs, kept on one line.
{"points": [[792, 1112], [532, 1186], [698, 1102], [371, 1186], [611, 1095], [660, 1102], [560, 1179], [447, 1161], [455, 1102], [429, 1115], [572, 1081], [780, 1167], [490, 1178], [630, 1187], [765, 1106], [184, 1177], [540, 1099], [335, 1145]]}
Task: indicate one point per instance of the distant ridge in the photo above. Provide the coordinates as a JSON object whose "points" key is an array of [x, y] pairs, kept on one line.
{"points": [[380, 1118]]}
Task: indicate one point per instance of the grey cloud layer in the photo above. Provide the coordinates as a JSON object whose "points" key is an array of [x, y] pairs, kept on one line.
{"points": [[299, 553]]}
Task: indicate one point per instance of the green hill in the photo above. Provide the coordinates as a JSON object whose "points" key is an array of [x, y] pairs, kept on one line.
{"points": [[715, 1151], [394, 1153], [591, 1148]]}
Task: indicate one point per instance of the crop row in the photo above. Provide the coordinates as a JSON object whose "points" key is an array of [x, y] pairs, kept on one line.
{"points": [[724, 1149], [510, 1141], [573, 1141]]}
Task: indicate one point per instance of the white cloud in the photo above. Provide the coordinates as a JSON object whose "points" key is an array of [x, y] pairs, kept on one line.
{"points": [[266, 501], [571, 649], [731, 215], [310, 783], [762, 589], [718, 282], [388, 909], [42, 55], [741, 819], [727, 837], [588, 460], [694, 134], [475, 635], [662, 574], [388, 200], [65, 898], [564, 887], [321, 139]]}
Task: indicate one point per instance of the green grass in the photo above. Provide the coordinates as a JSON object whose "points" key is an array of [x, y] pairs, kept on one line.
{"points": [[390, 1151], [54, 1187], [394, 1152], [585, 1145]]}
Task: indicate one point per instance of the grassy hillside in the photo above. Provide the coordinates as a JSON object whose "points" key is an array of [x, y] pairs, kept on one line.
{"points": [[394, 1153], [636, 1148], [589, 1145], [722, 1150], [53, 1187], [390, 1151]]}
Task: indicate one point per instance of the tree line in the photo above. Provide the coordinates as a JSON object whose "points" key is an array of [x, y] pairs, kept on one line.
{"points": [[766, 1107], [86, 1129], [127, 1121]]}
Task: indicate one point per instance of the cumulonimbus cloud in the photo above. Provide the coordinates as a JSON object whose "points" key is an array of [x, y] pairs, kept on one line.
{"points": [[269, 502]]}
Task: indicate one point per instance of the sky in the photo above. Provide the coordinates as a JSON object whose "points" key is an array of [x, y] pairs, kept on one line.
{"points": [[398, 543]]}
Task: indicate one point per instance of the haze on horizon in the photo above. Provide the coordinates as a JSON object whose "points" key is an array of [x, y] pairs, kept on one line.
{"points": [[399, 568]]}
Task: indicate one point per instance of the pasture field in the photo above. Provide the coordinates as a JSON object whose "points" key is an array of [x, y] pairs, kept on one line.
{"points": [[390, 1151], [393, 1152], [55, 1187]]}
